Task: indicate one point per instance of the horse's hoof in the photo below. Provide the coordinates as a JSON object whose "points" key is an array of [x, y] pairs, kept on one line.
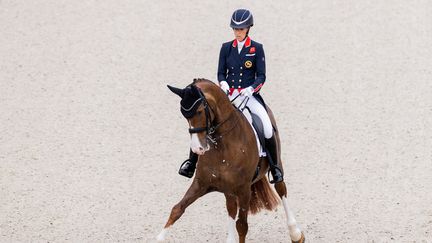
{"points": [[301, 240]]}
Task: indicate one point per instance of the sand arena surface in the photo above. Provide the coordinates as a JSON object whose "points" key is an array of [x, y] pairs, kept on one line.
{"points": [[91, 139]]}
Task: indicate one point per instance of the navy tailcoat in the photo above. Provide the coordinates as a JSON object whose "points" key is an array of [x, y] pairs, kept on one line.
{"points": [[244, 69]]}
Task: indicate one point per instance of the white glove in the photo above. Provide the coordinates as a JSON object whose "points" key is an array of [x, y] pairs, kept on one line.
{"points": [[224, 86], [247, 91]]}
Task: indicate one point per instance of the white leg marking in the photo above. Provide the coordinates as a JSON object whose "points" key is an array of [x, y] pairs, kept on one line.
{"points": [[231, 231], [161, 236], [294, 231]]}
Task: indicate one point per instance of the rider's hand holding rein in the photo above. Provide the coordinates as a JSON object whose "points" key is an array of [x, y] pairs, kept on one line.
{"points": [[248, 92], [224, 86]]}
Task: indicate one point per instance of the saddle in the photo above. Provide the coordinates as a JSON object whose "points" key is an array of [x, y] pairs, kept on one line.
{"points": [[258, 128], [257, 125]]}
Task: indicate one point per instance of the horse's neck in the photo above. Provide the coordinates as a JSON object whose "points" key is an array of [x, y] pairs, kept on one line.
{"points": [[224, 111], [235, 125]]}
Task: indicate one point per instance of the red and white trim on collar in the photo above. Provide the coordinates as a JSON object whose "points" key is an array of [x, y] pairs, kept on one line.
{"points": [[247, 43]]}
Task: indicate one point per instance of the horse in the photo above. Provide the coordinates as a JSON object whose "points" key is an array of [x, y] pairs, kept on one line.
{"points": [[228, 162]]}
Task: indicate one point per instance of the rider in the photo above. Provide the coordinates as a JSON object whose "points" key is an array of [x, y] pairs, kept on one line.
{"points": [[242, 70]]}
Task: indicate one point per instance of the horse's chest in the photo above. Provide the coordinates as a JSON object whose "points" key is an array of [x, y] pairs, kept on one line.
{"points": [[223, 177]]}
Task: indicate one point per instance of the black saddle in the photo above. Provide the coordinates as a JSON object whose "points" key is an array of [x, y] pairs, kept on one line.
{"points": [[259, 128]]}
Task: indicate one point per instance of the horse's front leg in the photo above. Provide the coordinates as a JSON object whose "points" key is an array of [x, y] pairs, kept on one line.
{"points": [[193, 193], [295, 233], [231, 204], [242, 224]]}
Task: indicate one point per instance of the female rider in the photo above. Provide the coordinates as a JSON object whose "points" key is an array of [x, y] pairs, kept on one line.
{"points": [[241, 71]]}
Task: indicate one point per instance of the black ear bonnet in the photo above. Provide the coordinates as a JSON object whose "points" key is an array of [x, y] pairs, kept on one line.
{"points": [[191, 100]]}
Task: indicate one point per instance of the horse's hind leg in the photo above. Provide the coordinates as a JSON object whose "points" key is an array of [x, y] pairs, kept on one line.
{"points": [[192, 194], [231, 204], [296, 235]]}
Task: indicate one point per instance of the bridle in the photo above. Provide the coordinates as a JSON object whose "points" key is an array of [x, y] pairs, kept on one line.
{"points": [[210, 127]]}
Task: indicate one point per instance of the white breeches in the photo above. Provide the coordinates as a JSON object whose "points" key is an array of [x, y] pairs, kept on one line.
{"points": [[256, 108]]}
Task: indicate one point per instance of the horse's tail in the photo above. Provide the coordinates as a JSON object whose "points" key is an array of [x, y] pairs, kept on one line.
{"points": [[262, 196]]}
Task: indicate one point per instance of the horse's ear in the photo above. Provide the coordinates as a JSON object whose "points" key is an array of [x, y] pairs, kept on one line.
{"points": [[177, 91]]}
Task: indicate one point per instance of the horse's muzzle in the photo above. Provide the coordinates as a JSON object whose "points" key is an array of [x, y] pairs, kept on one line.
{"points": [[197, 146], [200, 150]]}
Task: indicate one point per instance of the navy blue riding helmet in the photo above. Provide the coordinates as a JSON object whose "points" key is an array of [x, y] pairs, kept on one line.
{"points": [[241, 18]]}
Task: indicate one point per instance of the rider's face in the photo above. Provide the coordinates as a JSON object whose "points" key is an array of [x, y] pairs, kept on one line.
{"points": [[240, 34]]}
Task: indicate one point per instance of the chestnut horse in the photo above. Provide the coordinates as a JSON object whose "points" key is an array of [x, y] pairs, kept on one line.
{"points": [[228, 160]]}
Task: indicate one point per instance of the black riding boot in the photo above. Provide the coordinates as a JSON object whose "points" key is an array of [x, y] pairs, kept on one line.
{"points": [[271, 149], [188, 166]]}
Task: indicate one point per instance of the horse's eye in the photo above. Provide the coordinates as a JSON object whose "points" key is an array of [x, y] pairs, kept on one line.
{"points": [[199, 112]]}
